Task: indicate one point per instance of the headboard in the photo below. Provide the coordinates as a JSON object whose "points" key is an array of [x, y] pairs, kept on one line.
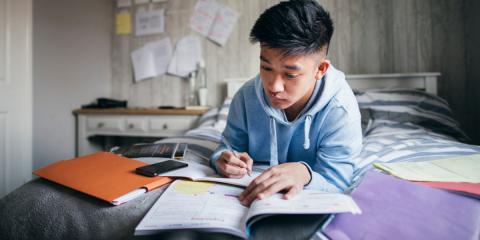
{"points": [[426, 81]]}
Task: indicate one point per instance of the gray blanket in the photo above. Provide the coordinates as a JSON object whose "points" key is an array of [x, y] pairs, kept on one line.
{"points": [[44, 210]]}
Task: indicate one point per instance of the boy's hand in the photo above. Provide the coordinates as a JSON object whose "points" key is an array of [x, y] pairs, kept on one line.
{"points": [[288, 177], [233, 167]]}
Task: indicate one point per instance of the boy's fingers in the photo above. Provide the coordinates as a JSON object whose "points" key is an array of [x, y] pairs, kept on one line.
{"points": [[248, 161], [292, 192], [256, 190], [234, 170], [232, 160], [236, 162], [270, 190]]}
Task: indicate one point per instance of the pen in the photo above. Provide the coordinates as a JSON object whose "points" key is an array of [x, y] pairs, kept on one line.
{"points": [[229, 147]]}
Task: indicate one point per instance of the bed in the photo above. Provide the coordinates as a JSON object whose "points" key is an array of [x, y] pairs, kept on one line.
{"points": [[402, 120]]}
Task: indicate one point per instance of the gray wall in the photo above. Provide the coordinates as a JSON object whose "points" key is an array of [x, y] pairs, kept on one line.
{"points": [[71, 66], [472, 37], [371, 36]]}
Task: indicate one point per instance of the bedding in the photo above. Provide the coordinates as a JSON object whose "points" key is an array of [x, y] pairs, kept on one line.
{"points": [[398, 125], [408, 125]]}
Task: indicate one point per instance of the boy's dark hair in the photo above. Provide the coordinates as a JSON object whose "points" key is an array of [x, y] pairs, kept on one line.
{"points": [[300, 27]]}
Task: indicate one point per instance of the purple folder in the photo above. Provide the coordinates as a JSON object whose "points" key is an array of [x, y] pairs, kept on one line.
{"points": [[397, 209]]}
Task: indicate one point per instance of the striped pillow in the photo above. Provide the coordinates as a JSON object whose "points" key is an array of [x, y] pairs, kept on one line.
{"points": [[222, 116], [414, 106], [208, 118], [212, 123]]}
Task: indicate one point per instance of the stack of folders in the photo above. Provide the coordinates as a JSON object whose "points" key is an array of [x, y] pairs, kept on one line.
{"points": [[393, 208], [103, 175], [459, 174]]}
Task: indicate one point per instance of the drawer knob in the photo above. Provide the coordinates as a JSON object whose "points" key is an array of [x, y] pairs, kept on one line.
{"points": [[100, 125], [131, 125], [165, 126]]}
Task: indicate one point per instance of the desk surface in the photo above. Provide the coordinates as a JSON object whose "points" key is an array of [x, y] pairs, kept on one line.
{"points": [[141, 111]]}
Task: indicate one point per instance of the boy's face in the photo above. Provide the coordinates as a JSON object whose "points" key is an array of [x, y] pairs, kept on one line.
{"points": [[289, 81]]}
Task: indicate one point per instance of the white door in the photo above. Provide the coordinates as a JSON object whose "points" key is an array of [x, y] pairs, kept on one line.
{"points": [[15, 94]]}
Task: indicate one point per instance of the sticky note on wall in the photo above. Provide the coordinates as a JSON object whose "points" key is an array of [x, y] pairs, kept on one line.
{"points": [[123, 23]]}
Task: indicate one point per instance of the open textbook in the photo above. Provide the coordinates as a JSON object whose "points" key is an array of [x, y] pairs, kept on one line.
{"points": [[215, 207]]}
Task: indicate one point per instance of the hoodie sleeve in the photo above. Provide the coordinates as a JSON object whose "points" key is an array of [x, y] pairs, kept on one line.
{"points": [[235, 131], [336, 151]]}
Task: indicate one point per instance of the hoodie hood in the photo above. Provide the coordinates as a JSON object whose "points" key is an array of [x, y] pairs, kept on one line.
{"points": [[325, 90]]}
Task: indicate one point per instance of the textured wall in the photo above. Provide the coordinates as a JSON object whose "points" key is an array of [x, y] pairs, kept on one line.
{"points": [[371, 36], [472, 35]]}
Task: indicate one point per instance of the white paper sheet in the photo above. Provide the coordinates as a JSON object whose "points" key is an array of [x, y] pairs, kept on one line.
{"points": [[203, 16], [124, 3], [187, 54], [223, 25], [143, 64], [149, 21], [141, 1], [162, 54], [455, 169]]}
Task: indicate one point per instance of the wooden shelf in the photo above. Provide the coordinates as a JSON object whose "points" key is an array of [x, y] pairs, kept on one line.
{"points": [[141, 111]]}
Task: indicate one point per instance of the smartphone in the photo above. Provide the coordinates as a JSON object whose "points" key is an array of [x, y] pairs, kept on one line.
{"points": [[155, 169]]}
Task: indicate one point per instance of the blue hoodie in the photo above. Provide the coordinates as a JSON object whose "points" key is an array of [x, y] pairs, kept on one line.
{"points": [[325, 136]]}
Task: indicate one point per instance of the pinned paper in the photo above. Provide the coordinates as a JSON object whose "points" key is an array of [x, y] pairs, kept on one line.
{"points": [[162, 53], [203, 16], [123, 23], [213, 20], [223, 25], [149, 21], [141, 1], [143, 64], [124, 3], [152, 59], [187, 55]]}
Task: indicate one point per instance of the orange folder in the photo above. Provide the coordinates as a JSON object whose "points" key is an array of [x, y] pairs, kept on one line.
{"points": [[103, 175]]}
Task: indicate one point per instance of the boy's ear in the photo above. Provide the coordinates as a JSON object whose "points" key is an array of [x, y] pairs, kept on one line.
{"points": [[322, 69]]}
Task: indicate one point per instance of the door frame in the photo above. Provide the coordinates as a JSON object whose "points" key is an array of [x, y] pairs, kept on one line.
{"points": [[16, 119]]}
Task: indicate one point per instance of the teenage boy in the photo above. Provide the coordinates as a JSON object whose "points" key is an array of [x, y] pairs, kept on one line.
{"points": [[299, 115]]}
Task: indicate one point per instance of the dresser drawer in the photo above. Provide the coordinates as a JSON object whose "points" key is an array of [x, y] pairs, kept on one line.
{"points": [[105, 123], [172, 123], [135, 124]]}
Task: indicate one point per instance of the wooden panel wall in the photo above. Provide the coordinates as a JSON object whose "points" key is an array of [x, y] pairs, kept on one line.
{"points": [[371, 36], [472, 35]]}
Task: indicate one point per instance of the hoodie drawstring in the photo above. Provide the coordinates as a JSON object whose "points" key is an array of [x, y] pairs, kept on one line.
{"points": [[273, 145], [273, 135], [306, 131]]}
